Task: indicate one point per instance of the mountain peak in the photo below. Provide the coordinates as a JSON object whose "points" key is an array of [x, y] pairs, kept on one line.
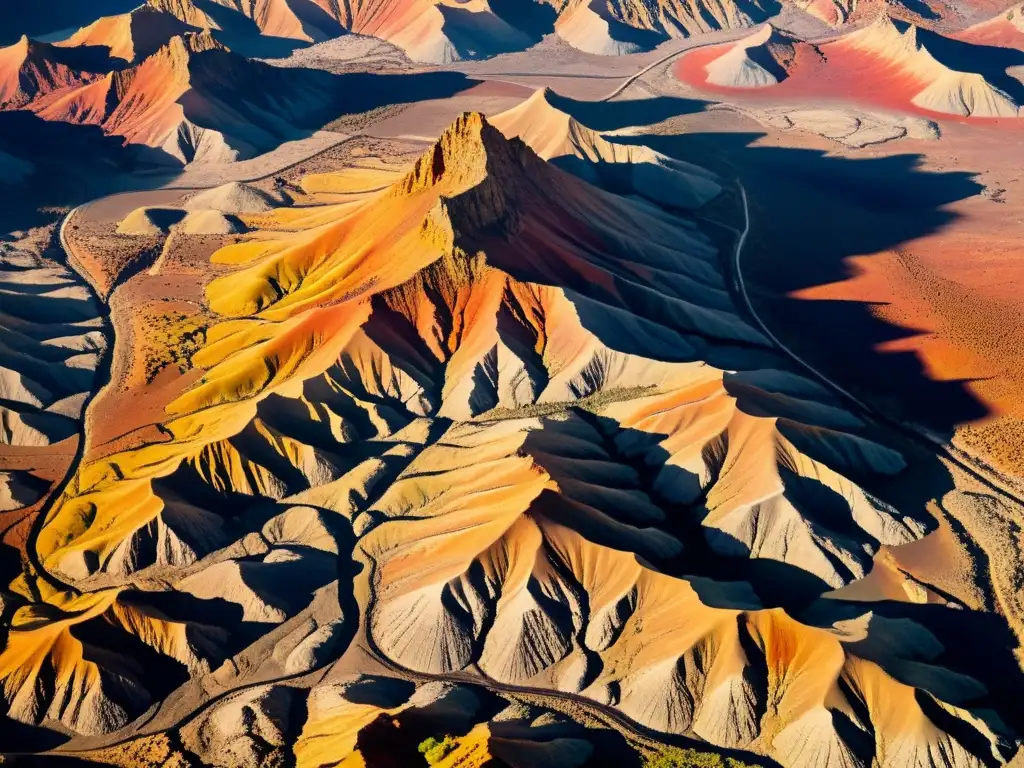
{"points": [[28, 49], [181, 48], [468, 152]]}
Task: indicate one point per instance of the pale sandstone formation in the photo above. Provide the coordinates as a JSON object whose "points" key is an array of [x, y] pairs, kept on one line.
{"points": [[233, 197], [419, 410], [558, 137], [942, 89], [615, 27], [149, 222], [131, 36], [185, 95], [757, 61], [50, 342], [211, 223], [19, 489]]}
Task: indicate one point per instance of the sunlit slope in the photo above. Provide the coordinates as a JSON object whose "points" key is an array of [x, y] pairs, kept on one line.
{"points": [[438, 31], [30, 69], [939, 87], [556, 136], [613, 27], [444, 31], [515, 422], [760, 60], [132, 36], [190, 98]]}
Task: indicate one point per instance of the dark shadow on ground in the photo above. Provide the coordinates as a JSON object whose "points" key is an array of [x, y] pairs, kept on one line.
{"points": [[899, 637], [712, 559], [69, 165], [534, 19], [921, 8], [976, 644], [242, 36], [613, 115], [810, 213]]}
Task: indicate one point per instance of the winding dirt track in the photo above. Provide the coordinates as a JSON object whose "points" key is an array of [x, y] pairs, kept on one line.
{"points": [[102, 378], [950, 453]]}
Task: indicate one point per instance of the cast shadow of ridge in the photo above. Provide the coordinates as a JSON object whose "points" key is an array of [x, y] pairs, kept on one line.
{"points": [[941, 652], [809, 214], [625, 113]]}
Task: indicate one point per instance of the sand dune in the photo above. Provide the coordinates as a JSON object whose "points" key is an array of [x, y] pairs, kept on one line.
{"points": [[444, 31], [150, 221], [233, 197], [1006, 29], [942, 89], [202, 222], [49, 345], [761, 60]]}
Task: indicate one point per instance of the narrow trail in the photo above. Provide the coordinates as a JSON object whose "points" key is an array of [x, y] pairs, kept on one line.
{"points": [[100, 381], [935, 444], [105, 363], [605, 713]]}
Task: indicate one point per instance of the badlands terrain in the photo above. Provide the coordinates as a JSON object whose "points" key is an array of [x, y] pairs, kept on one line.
{"points": [[514, 383]]}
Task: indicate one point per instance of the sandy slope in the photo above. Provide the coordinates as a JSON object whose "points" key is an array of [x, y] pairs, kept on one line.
{"points": [[29, 69], [132, 36], [887, 63], [50, 340], [558, 137], [614, 27], [943, 89], [761, 60]]}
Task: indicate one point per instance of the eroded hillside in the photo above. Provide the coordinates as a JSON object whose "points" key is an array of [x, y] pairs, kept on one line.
{"points": [[494, 426]]}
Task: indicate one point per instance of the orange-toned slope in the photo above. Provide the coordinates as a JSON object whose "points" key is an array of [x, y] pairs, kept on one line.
{"points": [[1005, 30], [194, 99], [29, 69], [627, 26], [130, 37]]}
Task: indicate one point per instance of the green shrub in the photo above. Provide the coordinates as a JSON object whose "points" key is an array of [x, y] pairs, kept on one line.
{"points": [[435, 751], [677, 757]]}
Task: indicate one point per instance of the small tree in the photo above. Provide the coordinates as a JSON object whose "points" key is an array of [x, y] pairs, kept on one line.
{"points": [[435, 751]]}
